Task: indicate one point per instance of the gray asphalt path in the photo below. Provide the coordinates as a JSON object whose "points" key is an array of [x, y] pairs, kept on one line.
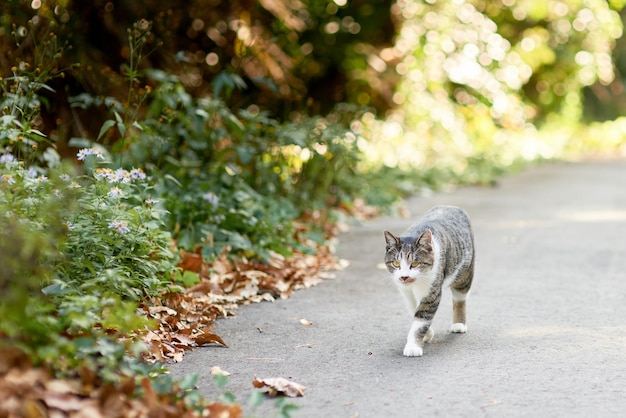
{"points": [[546, 317]]}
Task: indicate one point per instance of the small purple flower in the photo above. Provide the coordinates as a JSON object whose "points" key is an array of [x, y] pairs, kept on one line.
{"points": [[7, 158], [137, 174], [120, 227], [212, 198]]}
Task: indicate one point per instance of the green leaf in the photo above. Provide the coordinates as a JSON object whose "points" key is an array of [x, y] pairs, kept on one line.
{"points": [[79, 142], [256, 399], [189, 381], [220, 380], [229, 397], [285, 409], [189, 278], [105, 127], [55, 289], [52, 157]]}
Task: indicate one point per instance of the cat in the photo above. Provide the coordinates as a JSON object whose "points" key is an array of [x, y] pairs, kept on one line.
{"points": [[436, 252]]}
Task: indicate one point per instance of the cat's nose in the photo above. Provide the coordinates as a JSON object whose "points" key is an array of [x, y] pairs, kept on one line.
{"points": [[406, 279]]}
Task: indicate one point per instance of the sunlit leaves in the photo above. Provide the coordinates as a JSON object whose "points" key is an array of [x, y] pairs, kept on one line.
{"points": [[477, 76]]}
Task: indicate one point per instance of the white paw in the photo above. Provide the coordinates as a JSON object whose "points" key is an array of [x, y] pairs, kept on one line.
{"points": [[458, 328], [413, 350], [429, 335]]}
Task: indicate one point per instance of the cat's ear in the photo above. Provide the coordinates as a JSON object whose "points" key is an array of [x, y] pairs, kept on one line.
{"points": [[425, 240], [391, 239]]}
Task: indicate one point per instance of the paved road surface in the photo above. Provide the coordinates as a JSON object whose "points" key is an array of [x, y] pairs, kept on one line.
{"points": [[546, 317]]}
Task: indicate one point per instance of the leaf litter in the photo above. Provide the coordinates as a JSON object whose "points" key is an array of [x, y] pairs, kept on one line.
{"points": [[185, 319]]}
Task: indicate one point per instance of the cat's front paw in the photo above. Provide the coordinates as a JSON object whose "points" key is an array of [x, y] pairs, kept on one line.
{"points": [[458, 328], [413, 350]]}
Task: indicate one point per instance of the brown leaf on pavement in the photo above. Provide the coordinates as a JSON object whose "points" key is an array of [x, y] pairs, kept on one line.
{"points": [[279, 386], [223, 410], [203, 339]]}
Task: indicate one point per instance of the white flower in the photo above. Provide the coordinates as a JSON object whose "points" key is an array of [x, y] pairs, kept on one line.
{"points": [[65, 177], [42, 178], [120, 227], [6, 158], [7, 178], [74, 185], [69, 226], [115, 192], [123, 175], [83, 153], [103, 173], [151, 202], [138, 174]]}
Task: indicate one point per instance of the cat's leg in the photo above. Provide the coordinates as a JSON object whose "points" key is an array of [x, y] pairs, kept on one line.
{"points": [[430, 334], [459, 301], [420, 330], [415, 338], [460, 292]]}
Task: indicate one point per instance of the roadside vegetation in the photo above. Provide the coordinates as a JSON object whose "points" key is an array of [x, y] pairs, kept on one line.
{"points": [[159, 167]]}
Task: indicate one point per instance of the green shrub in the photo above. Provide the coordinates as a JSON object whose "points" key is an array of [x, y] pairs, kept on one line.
{"points": [[237, 181]]}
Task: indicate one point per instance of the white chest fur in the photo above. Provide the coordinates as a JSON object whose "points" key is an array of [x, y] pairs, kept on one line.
{"points": [[422, 281]]}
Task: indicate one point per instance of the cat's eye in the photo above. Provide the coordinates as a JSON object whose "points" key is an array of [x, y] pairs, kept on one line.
{"points": [[395, 264], [415, 264]]}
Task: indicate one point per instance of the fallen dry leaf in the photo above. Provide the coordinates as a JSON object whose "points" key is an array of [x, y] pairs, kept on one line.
{"points": [[306, 322], [279, 386], [224, 410], [217, 371], [203, 339]]}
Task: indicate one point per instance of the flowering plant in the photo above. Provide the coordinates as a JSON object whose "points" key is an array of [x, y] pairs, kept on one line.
{"points": [[95, 241], [115, 240]]}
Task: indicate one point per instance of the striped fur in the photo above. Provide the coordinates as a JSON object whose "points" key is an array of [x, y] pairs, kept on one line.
{"points": [[436, 252]]}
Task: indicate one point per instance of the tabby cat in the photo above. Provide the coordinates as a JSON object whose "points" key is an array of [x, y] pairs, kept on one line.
{"points": [[436, 252]]}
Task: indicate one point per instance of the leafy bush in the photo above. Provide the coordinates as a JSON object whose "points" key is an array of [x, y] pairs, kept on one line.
{"points": [[236, 181], [94, 242]]}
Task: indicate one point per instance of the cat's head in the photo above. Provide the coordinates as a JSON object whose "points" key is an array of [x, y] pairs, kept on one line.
{"points": [[409, 259]]}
